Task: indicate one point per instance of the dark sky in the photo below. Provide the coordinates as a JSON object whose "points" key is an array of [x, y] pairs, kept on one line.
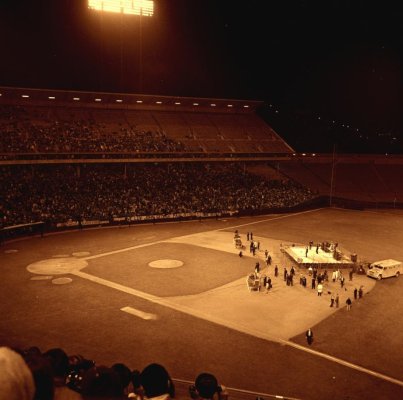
{"points": [[334, 60]]}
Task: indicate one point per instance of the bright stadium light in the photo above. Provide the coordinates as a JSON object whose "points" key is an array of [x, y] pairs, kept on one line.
{"points": [[133, 7]]}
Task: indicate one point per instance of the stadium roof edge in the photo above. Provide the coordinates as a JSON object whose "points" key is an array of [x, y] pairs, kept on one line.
{"points": [[127, 99]]}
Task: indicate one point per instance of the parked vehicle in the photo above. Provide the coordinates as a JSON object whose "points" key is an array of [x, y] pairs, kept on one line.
{"points": [[384, 269]]}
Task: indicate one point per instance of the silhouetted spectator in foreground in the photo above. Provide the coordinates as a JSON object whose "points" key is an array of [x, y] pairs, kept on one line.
{"points": [[16, 381], [136, 391], [156, 382], [42, 373], [125, 375], [60, 365], [206, 386], [59, 362], [101, 381]]}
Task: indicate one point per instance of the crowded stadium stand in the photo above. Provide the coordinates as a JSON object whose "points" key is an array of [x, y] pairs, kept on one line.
{"points": [[49, 121], [71, 159]]}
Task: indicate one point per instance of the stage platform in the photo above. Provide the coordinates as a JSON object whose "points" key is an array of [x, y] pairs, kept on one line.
{"points": [[328, 258]]}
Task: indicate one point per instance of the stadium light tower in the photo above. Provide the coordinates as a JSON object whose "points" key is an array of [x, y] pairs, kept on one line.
{"points": [[130, 7], [133, 7]]}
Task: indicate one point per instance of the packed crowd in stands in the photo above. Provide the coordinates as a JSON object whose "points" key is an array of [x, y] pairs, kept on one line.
{"points": [[20, 134], [29, 374], [62, 193]]}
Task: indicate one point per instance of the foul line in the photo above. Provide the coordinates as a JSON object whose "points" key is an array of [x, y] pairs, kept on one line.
{"points": [[343, 362], [227, 324], [109, 253], [269, 219]]}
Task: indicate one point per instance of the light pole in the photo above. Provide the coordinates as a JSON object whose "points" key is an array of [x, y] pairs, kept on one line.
{"points": [[332, 176], [141, 53], [130, 7]]}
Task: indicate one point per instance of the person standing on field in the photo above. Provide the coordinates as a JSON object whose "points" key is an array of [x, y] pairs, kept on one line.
{"points": [[348, 302], [309, 336], [320, 289]]}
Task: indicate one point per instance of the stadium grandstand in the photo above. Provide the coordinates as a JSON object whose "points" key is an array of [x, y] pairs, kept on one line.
{"points": [[100, 144]]}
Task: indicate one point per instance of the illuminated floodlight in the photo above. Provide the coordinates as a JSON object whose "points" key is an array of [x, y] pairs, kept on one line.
{"points": [[25, 96], [213, 104], [51, 97], [76, 98], [158, 102], [245, 106], [195, 104], [119, 101], [229, 105], [131, 7], [98, 99], [139, 101], [177, 103]]}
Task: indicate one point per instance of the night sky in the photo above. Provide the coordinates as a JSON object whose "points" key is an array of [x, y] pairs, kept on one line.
{"points": [[314, 62]]}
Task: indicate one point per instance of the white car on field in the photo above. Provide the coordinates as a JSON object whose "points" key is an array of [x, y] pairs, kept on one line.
{"points": [[384, 269]]}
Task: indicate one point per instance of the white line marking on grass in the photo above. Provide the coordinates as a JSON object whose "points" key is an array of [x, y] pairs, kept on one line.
{"points": [[139, 313], [235, 326], [109, 253], [117, 286], [269, 219], [343, 362]]}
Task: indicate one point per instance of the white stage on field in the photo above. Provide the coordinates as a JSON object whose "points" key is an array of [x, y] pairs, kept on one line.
{"points": [[302, 257]]}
